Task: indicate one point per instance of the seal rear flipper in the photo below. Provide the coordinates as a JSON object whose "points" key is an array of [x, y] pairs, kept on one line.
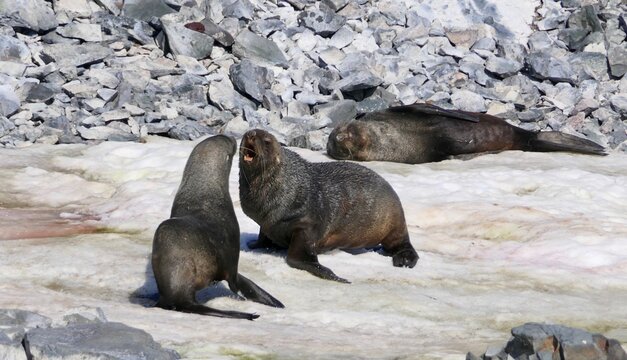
{"points": [[252, 291], [205, 310], [558, 141]]}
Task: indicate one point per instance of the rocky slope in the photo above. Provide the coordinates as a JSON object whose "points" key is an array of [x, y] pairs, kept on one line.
{"points": [[92, 70]]}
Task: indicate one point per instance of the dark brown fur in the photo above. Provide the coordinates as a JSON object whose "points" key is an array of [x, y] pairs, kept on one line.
{"points": [[422, 133], [311, 208], [199, 244]]}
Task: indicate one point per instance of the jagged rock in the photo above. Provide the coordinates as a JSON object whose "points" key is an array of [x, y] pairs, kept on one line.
{"points": [[589, 65], [335, 5], [530, 115], [502, 67], [12, 49], [236, 127], [66, 10], [189, 130], [223, 95], [619, 103], [86, 32], [539, 40], [251, 79], [9, 101], [463, 38], [75, 55], [544, 66], [332, 56], [145, 9], [359, 80], [11, 349], [35, 15], [617, 58], [104, 77], [41, 93], [12, 69], [14, 323], [342, 38], [323, 21], [468, 101], [106, 94], [337, 111], [78, 89], [82, 315], [6, 126], [102, 133], [217, 33], [183, 40], [95, 341], [258, 49], [239, 9]]}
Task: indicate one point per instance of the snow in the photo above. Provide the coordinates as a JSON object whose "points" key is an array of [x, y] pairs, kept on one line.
{"points": [[503, 239]]}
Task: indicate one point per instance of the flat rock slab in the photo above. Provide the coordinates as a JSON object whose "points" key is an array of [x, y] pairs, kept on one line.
{"points": [[145, 9], [258, 49], [75, 55], [32, 14], [95, 341]]}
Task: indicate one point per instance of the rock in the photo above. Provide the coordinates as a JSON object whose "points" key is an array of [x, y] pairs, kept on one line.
{"points": [[258, 49], [78, 89], [217, 33], [236, 127], [14, 50], [94, 341], [6, 126], [332, 56], [463, 38], [82, 315], [307, 41], [337, 111], [14, 323], [101, 133], [502, 67], [185, 41], [223, 95], [75, 55], [619, 103], [251, 79], [104, 77], [85, 32], [362, 79], [589, 65], [239, 9], [106, 94], [531, 115], [468, 101], [12, 69], [11, 349], [35, 15], [565, 98], [41, 93], [189, 130], [539, 40], [66, 10], [145, 9], [544, 66], [9, 102], [617, 58], [335, 5], [342, 38], [323, 21]]}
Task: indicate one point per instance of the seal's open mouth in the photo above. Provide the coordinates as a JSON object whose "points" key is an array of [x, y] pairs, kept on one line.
{"points": [[249, 155]]}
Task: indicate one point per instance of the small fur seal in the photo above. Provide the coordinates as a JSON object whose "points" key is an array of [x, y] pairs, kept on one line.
{"points": [[310, 208], [199, 244], [422, 133]]}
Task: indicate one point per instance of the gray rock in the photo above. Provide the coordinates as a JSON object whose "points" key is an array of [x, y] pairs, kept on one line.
{"points": [[12, 69], [189, 130], [41, 93], [239, 9], [14, 323], [530, 115], [258, 49], [145, 9], [332, 56], [617, 58], [468, 101], [217, 33], [236, 127], [463, 38], [81, 90], [539, 40], [335, 5], [619, 103], [544, 66], [502, 67], [12, 49], [35, 15], [66, 10], [6, 126], [82, 315], [362, 79], [86, 32], [589, 65], [342, 38], [323, 21], [185, 41], [9, 101], [10, 349], [251, 79], [265, 27], [101, 133], [94, 341], [565, 98], [371, 104], [338, 111], [223, 95], [75, 55]]}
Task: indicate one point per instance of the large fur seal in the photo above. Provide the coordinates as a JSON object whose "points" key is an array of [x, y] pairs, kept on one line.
{"points": [[422, 133], [310, 208], [199, 244]]}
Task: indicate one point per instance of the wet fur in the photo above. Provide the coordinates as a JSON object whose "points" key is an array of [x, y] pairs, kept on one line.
{"points": [[424, 133], [199, 244], [311, 208]]}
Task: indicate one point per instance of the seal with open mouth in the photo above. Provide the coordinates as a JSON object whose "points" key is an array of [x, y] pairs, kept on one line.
{"points": [[310, 208]]}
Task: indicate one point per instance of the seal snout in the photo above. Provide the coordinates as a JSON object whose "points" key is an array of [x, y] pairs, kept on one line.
{"points": [[247, 148]]}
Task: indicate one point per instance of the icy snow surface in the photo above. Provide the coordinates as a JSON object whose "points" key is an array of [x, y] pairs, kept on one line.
{"points": [[503, 239]]}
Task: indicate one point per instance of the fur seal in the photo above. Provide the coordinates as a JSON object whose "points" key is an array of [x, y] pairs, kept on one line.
{"points": [[422, 133], [199, 244], [310, 208]]}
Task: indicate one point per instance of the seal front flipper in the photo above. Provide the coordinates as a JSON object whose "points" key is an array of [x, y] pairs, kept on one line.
{"points": [[299, 257], [252, 291]]}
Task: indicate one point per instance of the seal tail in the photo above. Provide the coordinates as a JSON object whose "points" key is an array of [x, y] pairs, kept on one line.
{"points": [[253, 292], [557, 141], [205, 310]]}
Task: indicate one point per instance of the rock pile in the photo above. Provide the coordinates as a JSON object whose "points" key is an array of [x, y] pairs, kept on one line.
{"points": [[82, 334], [92, 70], [542, 341]]}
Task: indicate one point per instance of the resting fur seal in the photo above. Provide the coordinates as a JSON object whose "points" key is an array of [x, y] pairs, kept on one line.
{"points": [[310, 208], [199, 244], [422, 133]]}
